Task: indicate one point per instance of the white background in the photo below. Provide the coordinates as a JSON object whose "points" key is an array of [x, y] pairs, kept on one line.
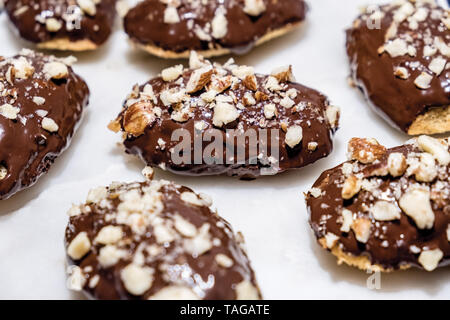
{"points": [[269, 211]]}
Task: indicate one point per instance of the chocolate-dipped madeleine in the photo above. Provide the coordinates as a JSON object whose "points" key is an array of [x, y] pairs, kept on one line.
{"points": [[155, 240], [172, 28], [75, 25], [386, 209], [41, 103], [399, 59], [213, 119]]}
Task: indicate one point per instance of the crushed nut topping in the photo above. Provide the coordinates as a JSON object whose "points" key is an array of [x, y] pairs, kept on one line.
{"points": [[430, 259], [49, 125], [365, 150], [294, 136]]}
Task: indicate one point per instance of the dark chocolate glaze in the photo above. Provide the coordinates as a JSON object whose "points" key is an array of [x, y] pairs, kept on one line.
{"points": [[145, 23], [172, 264], [27, 150], [312, 118], [95, 28], [398, 100], [401, 234]]}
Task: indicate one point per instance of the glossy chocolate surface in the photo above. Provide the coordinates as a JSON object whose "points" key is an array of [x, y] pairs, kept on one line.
{"points": [[294, 104], [395, 243], [188, 251], [75, 23], [146, 24], [411, 32], [27, 150]]}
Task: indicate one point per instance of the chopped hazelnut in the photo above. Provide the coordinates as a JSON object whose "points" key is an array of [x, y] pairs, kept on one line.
{"points": [[22, 68], [423, 81], [385, 211], [219, 24], [250, 82], [315, 192], [49, 125], [137, 117], [429, 259], [148, 172], [137, 280], [223, 260], [294, 136], [109, 255], [171, 15], [224, 113], [109, 235], [269, 110], [416, 204], [172, 73], [396, 164], [283, 74], [53, 25], [254, 7], [437, 65], [79, 246], [365, 150], [330, 240], [361, 228], [55, 70], [183, 226], [401, 72], [347, 220], [332, 113], [426, 170], [96, 194], [437, 149], [199, 79], [9, 111], [396, 48]]}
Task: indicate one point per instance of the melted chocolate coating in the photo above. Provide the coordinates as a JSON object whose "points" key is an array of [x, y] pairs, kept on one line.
{"points": [[27, 150], [154, 146], [391, 244], [145, 23], [398, 100], [95, 28], [172, 262]]}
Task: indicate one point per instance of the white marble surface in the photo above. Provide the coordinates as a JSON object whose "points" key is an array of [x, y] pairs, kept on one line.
{"points": [[270, 211]]}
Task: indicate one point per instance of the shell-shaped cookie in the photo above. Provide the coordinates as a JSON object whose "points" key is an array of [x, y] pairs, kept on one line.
{"points": [[155, 240], [171, 29], [213, 119], [399, 57], [75, 25], [41, 103]]}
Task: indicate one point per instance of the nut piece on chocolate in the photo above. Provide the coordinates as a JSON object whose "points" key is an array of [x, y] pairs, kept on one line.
{"points": [[75, 25], [172, 28], [386, 209], [399, 56], [155, 240], [41, 103], [213, 119]]}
